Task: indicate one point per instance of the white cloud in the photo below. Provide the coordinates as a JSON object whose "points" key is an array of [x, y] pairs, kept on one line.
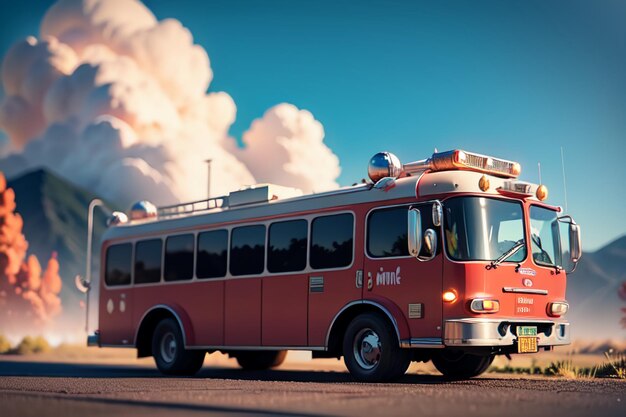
{"points": [[116, 101], [286, 147]]}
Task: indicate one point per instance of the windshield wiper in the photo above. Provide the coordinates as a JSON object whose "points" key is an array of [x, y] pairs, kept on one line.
{"points": [[506, 255]]}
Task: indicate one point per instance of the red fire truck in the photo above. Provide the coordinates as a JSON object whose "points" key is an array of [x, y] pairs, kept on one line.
{"points": [[450, 259]]}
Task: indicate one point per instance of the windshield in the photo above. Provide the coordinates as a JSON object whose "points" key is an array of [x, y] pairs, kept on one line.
{"points": [[544, 233], [482, 229]]}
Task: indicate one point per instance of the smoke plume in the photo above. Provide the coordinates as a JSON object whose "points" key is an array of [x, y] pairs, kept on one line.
{"points": [[27, 294], [117, 102]]}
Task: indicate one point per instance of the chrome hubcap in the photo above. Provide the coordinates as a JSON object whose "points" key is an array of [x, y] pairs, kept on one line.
{"points": [[367, 349], [168, 347]]}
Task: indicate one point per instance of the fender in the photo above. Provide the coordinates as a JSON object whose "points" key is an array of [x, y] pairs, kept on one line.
{"points": [[181, 316], [393, 313], [396, 314]]}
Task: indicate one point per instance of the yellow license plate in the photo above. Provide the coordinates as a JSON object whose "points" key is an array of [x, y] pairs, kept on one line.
{"points": [[526, 339], [527, 344]]}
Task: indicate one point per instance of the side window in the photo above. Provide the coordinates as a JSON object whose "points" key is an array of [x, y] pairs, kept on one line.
{"points": [[148, 261], [212, 253], [287, 246], [118, 264], [247, 250], [178, 258], [387, 233], [331, 241]]}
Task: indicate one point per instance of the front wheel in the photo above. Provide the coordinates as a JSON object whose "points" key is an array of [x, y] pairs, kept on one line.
{"points": [[461, 365], [371, 352], [169, 351]]}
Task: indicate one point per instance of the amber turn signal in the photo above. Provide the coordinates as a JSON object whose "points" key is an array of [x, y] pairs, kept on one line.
{"points": [[449, 296], [485, 306], [483, 183], [542, 192]]}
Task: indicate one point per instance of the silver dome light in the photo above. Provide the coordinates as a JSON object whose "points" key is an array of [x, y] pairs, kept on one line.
{"points": [[384, 164], [116, 218], [143, 210]]}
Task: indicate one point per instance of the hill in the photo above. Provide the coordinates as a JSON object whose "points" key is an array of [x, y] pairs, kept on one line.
{"points": [[55, 220], [593, 293]]}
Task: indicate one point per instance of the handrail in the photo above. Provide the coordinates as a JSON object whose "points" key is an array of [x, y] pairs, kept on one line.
{"points": [[193, 207]]}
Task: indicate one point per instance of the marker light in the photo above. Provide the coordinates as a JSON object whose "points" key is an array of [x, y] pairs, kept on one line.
{"points": [[516, 169], [557, 309], [480, 305], [459, 157], [449, 296], [542, 192], [483, 183]]}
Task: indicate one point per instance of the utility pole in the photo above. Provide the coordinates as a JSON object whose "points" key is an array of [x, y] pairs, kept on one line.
{"points": [[208, 190]]}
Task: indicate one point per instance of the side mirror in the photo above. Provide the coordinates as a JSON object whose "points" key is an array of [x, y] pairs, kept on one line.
{"points": [[414, 232], [575, 245], [575, 242], [430, 245], [437, 214]]}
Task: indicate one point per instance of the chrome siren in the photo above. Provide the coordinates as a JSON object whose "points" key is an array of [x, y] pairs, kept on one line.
{"points": [[116, 218], [143, 210], [384, 164]]}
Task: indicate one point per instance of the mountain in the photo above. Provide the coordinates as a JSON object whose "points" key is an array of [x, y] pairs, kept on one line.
{"points": [[592, 293], [55, 220]]}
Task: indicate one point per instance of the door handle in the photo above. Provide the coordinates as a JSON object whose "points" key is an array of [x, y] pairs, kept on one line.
{"points": [[359, 278]]}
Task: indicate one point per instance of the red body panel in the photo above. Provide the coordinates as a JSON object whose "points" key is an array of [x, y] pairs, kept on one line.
{"points": [[242, 315], [115, 312], [202, 304], [420, 283], [339, 290], [284, 308]]}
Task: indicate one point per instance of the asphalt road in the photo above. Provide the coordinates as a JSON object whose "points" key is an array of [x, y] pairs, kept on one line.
{"points": [[57, 389]]}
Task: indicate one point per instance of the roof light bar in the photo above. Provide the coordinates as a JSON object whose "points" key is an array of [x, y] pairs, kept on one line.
{"points": [[459, 159], [385, 164]]}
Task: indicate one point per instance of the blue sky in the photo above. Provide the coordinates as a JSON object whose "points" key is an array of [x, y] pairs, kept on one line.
{"points": [[517, 80]]}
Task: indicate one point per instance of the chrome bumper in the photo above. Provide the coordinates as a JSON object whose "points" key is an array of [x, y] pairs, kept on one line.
{"points": [[93, 339], [492, 332]]}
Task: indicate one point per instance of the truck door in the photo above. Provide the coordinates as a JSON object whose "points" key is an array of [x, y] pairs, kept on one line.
{"points": [[334, 264], [285, 304], [393, 277], [115, 307], [242, 310]]}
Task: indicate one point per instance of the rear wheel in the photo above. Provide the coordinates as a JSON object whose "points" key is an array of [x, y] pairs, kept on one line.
{"points": [[371, 352], [169, 351], [260, 360], [457, 364]]}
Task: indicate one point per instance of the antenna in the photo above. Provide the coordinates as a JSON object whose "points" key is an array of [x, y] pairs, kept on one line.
{"points": [[208, 188], [539, 167], [564, 182]]}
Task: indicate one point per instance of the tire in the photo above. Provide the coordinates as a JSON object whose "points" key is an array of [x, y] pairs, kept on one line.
{"points": [[460, 365], [169, 353], [260, 360], [371, 352]]}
